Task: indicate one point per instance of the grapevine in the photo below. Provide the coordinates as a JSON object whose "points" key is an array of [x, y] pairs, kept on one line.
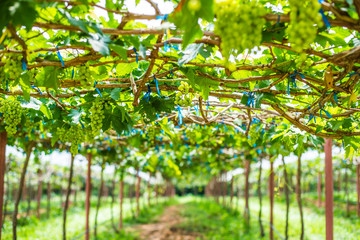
{"points": [[12, 113], [240, 24], [74, 134], [253, 135], [182, 97], [85, 76], [304, 16], [97, 115], [13, 66]]}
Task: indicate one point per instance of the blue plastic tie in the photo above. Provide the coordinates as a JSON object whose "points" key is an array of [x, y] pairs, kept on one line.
{"points": [[326, 21], [197, 111], [147, 94], [251, 99], [82, 125], [172, 73], [180, 116], [293, 80], [72, 73], [7, 85], [59, 56], [137, 55], [157, 85], [23, 64], [35, 87], [162, 17], [255, 120], [323, 110], [97, 89], [311, 116]]}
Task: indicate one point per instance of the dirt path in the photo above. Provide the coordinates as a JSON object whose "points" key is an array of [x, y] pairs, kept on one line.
{"points": [[166, 227]]}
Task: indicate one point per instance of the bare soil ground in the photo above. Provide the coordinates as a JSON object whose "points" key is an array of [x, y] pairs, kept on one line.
{"points": [[165, 228]]}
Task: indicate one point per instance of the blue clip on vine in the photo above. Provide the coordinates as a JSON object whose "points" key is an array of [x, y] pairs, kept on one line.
{"points": [[59, 56], [180, 116], [311, 116], [35, 87], [293, 80], [137, 55], [326, 21], [323, 110], [147, 94], [157, 85], [251, 99], [23, 64], [97, 89]]}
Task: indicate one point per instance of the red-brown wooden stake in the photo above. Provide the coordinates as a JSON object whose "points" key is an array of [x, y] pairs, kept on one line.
{"points": [[329, 213], [319, 188], [3, 140], [271, 196], [39, 194], [121, 196], [358, 188], [138, 194], [88, 193], [247, 172], [149, 190]]}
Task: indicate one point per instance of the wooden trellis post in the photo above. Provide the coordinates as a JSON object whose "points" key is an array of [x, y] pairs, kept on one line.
{"points": [[87, 201], [271, 196], [3, 140], [329, 213]]}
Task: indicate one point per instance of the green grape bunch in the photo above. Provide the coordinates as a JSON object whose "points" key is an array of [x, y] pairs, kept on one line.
{"points": [[151, 133], [239, 23], [303, 62], [253, 135], [182, 97], [304, 19], [74, 135], [13, 66], [85, 76], [97, 115], [11, 113]]}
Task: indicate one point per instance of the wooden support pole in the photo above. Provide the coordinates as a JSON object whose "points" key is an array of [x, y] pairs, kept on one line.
{"points": [[3, 141], [329, 213], [138, 193], [271, 196], [39, 193], [247, 173], [358, 189], [121, 196], [319, 188], [88, 194]]}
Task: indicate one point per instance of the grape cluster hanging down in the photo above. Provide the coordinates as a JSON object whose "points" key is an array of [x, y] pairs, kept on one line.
{"points": [[239, 23], [13, 66], [304, 17], [74, 135], [11, 114], [85, 76], [97, 115], [253, 135], [182, 97]]}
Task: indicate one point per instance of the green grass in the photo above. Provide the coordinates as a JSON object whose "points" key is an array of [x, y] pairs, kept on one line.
{"points": [[218, 223], [32, 228]]}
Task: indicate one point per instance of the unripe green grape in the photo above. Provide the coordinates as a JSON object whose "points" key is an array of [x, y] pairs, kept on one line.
{"points": [[13, 66], [85, 76], [97, 115], [304, 17], [12, 112], [239, 24]]}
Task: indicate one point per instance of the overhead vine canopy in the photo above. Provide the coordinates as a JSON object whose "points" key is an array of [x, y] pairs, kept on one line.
{"points": [[123, 77]]}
